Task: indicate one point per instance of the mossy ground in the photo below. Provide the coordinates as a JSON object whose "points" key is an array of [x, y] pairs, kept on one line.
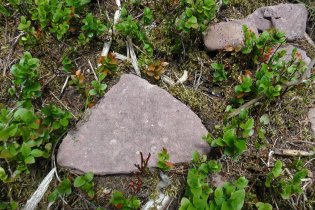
{"points": [[289, 127]]}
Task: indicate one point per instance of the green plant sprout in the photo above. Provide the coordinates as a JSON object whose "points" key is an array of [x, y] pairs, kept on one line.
{"points": [[121, 202], [85, 183], [63, 189], [219, 73], [198, 190], [163, 160]]}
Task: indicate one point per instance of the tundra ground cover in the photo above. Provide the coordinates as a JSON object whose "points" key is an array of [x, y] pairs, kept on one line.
{"points": [[50, 42]]}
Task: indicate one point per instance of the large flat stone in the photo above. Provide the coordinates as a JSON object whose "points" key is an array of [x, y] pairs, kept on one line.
{"points": [[133, 116], [288, 18]]}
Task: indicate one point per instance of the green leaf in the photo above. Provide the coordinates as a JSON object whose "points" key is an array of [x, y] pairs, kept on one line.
{"points": [[64, 122], [89, 176], [25, 150], [237, 199], [79, 181], [25, 115], [264, 119], [218, 196], [263, 206], [241, 183], [29, 160], [93, 92], [37, 153], [229, 137], [53, 196], [184, 204]]}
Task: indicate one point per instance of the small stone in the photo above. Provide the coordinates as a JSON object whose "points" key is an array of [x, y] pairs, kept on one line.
{"points": [[133, 116], [221, 35], [311, 117], [288, 18], [217, 180]]}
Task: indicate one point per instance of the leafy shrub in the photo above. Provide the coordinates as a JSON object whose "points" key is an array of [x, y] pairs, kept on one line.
{"points": [[85, 183], [56, 17], [233, 135], [293, 186], [196, 15], [230, 196], [26, 75], [92, 26], [274, 173], [26, 135], [288, 186], [197, 190], [270, 71], [63, 189], [128, 26], [219, 73]]}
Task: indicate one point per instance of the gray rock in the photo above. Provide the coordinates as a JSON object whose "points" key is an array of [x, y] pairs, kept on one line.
{"points": [[133, 117], [288, 18], [217, 180], [311, 117], [226, 34]]}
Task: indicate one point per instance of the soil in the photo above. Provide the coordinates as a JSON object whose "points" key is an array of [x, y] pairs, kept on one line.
{"points": [[289, 127]]}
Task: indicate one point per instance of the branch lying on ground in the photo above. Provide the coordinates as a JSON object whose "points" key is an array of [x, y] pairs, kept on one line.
{"points": [[310, 41], [293, 152], [41, 190]]}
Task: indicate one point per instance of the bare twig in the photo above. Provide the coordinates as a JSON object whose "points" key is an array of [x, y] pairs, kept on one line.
{"points": [[108, 43], [93, 70], [64, 86], [244, 106], [67, 108], [39, 193], [15, 41], [286, 85], [310, 41], [292, 152]]}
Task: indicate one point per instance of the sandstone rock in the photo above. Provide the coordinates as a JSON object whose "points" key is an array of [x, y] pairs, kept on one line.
{"points": [[133, 116], [226, 34], [311, 117], [288, 18]]}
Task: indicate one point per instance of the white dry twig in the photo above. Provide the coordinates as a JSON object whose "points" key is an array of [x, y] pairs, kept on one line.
{"points": [[183, 78], [39, 193], [64, 86], [67, 108], [168, 80], [293, 152], [93, 70], [108, 43], [269, 157], [133, 56]]}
